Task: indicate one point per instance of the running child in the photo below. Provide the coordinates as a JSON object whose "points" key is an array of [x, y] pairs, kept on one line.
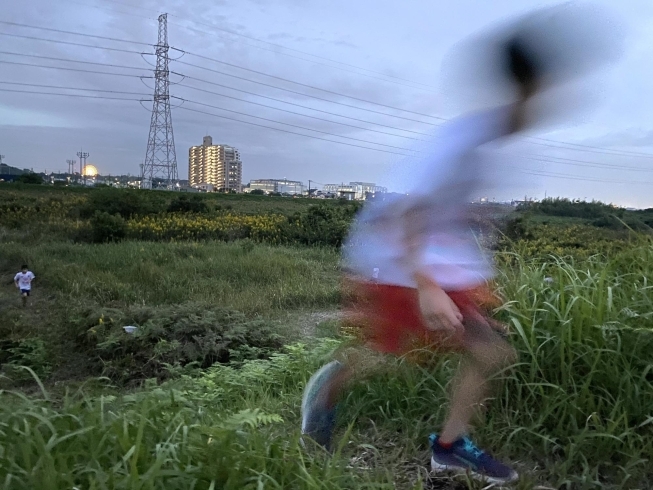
{"points": [[419, 277], [23, 281]]}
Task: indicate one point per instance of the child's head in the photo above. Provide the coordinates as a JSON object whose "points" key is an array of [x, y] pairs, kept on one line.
{"points": [[523, 67], [24, 268]]}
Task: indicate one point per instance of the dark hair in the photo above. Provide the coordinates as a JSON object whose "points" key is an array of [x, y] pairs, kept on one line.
{"points": [[24, 266], [521, 63]]}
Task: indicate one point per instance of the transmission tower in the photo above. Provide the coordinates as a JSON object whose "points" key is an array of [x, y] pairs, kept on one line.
{"points": [[160, 157], [82, 163]]}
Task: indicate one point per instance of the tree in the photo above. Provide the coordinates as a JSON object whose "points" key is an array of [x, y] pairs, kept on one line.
{"points": [[30, 178]]}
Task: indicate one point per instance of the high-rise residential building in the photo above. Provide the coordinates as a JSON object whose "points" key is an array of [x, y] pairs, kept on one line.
{"points": [[218, 165]]}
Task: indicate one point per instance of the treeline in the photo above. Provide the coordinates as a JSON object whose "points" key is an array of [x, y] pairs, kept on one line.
{"points": [[594, 213]]}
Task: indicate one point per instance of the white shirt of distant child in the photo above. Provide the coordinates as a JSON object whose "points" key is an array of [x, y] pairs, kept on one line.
{"points": [[440, 182], [24, 280]]}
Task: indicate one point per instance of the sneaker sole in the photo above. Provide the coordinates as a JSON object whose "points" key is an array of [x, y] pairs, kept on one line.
{"points": [[458, 470], [311, 391]]}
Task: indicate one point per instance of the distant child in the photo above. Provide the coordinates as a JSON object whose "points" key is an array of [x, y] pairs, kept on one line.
{"points": [[420, 279], [23, 281]]}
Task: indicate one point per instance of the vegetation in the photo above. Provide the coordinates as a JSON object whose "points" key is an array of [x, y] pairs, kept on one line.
{"points": [[205, 394]]}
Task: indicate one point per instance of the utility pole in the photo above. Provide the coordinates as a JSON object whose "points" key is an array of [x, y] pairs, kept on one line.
{"points": [[82, 163], [309, 188], [71, 166], [1, 157], [160, 157]]}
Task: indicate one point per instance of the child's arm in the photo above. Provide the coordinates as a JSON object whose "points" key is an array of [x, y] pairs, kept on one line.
{"points": [[437, 308]]}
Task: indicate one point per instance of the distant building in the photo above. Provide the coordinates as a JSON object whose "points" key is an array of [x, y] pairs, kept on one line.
{"points": [[216, 165], [8, 173], [355, 190], [282, 186]]}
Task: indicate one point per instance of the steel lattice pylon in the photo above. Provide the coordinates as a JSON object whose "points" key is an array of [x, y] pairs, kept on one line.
{"points": [[160, 157]]}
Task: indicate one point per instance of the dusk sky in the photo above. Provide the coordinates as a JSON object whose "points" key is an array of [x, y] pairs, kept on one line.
{"points": [[386, 52]]}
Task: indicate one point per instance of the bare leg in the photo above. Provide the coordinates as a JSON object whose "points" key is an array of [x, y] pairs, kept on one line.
{"points": [[24, 300], [359, 363], [486, 353]]}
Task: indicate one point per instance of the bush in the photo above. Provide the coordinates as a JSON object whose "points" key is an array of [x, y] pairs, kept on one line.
{"points": [[188, 204], [30, 178], [258, 192], [107, 228], [30, 353], [169, 338], [125, 202], [320, 225]]}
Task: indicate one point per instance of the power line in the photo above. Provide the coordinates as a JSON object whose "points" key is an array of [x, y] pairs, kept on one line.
{"points": [[296, 113], [72, 88], [590, 149], [313, 87], [75, 33], [71, 95], [70, 43], [574, 177], [580, 163], [290, 132], [296, 105], [74, 69], [303, 94], [397, 80], [291, 125], [68, 60]]}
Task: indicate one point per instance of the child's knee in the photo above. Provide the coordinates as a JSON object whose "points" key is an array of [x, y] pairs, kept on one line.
{"points": [[494, 355]]}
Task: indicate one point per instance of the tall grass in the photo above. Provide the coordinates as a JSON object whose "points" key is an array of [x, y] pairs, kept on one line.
{"points": [[575, 412], [242, 276]]}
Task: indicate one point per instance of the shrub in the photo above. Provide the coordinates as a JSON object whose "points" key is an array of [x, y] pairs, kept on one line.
{"points": [[188, 204], [320, 225], [171, 337], [107, 228], [125, 202], [30, 178], [30, 353]]}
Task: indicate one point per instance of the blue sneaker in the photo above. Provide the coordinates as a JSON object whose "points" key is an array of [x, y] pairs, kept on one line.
{"points": [[464, 457], [318, 418]]}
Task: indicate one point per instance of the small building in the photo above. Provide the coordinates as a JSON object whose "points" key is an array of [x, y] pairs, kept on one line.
{"points": [[355, 190], [281, 186]]}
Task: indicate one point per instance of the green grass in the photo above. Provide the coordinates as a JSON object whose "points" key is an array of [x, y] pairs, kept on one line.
{"points": [[31, 195], [575, 412], [249, 278]]}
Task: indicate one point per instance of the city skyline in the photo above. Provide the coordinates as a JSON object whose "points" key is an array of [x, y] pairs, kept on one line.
{"points": [[42, 131]]}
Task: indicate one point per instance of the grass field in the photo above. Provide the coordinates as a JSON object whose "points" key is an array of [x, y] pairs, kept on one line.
{"points": [[575, 412]]}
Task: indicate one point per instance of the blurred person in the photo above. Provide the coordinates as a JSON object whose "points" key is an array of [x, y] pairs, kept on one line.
{"points": [[417, 274], [23, 281]]}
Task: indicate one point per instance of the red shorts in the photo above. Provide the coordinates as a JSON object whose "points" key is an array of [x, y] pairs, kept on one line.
{"points": [[388, 317]]}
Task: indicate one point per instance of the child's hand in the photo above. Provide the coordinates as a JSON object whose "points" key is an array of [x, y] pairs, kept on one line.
{"points": [[438, 309]]}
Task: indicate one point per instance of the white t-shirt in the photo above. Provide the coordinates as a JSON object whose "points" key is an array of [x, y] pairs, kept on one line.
{"points": [[24, 280], [437, 187]]}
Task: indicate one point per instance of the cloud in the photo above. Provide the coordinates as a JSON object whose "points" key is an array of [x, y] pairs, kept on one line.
{"points": [[47, 130]]}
